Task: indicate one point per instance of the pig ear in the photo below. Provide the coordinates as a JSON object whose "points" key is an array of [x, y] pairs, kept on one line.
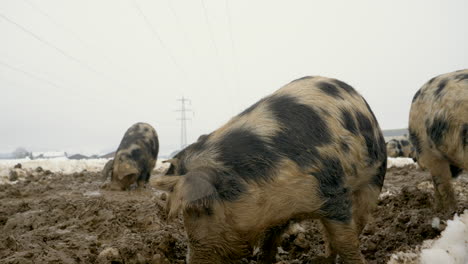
{"points": [[171, 169], [165, 183], [191, 191], [172, 161]]}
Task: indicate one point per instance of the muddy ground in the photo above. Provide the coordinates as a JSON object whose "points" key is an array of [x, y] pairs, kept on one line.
{"points": [[55, 218]]}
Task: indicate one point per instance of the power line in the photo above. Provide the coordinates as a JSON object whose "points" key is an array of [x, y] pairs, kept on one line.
{"points": [[90, 97], [69, 31], [158, 37], [34, 76], [233, 50], [218, 59], [184, 32], [47, 43]]}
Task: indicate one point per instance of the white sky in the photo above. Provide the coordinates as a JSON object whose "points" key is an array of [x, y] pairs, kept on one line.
{"points": [[101, 68]]}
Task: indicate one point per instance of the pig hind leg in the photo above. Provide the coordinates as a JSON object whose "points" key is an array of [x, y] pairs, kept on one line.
{"points": [[441, 178], [364, 201], [270, 244], [343, 239]]}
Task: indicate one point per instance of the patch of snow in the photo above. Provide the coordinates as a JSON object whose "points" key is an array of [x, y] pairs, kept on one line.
{"points": [[282, 251], [450, 248], [297, 228], [436, 223], [385, 194], [399, 162]]}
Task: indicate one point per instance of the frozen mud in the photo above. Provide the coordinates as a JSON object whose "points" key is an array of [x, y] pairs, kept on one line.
{"points": [[52, 217]]}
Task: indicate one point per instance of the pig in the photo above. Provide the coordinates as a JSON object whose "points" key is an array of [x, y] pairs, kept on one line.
{"points": [[134, 159], [438, 127], [407, 149], [394, 148], [400, 148], [312, 149]]}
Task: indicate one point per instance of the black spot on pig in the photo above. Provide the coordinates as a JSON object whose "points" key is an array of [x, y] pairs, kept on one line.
{"points": [[416, 95], [136, 154], [247, 155], [349, 122], [203, 137], [199, 145], [461, 77], [303, 130], [329, 89], [437, 130], [338, 204], [400, 151], [154, 146], [128, 140], [440, 88], [370, 110], [415, 141], [464, 135], [228, 186], [382, 147], [455, 171], [404, 142], [366, 130], [379, 177], [345, 87]]}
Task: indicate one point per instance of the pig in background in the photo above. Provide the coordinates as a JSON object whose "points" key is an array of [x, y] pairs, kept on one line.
{"points": [[438, 125], [135, 158], [312, 149], [401, 147]]}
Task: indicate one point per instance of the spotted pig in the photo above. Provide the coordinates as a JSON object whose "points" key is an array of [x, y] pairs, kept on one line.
{"points": [[400, 148], [312, 149], [438, 125], [135, 158]]}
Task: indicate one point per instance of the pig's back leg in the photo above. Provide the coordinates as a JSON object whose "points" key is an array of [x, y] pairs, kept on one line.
{"points": [[343, 239], [364, 201], [270, 244], [441, 178]]}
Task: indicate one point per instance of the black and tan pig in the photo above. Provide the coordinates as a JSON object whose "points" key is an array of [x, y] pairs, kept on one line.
{"points": [[135, 158], [438, 125], [312, 149], [401, 147]]}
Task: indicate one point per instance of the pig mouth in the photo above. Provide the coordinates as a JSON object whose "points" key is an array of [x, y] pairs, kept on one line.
{"points": [[128, 180]]}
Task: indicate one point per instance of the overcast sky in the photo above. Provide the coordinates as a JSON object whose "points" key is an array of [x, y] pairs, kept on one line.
{"points": [[74, 75]]}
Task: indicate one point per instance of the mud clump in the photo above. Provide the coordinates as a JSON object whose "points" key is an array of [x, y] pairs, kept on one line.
{"points": [[66, 218]]}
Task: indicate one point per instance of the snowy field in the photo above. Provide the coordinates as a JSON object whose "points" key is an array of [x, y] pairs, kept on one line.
{"points": [[56, 165]]}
